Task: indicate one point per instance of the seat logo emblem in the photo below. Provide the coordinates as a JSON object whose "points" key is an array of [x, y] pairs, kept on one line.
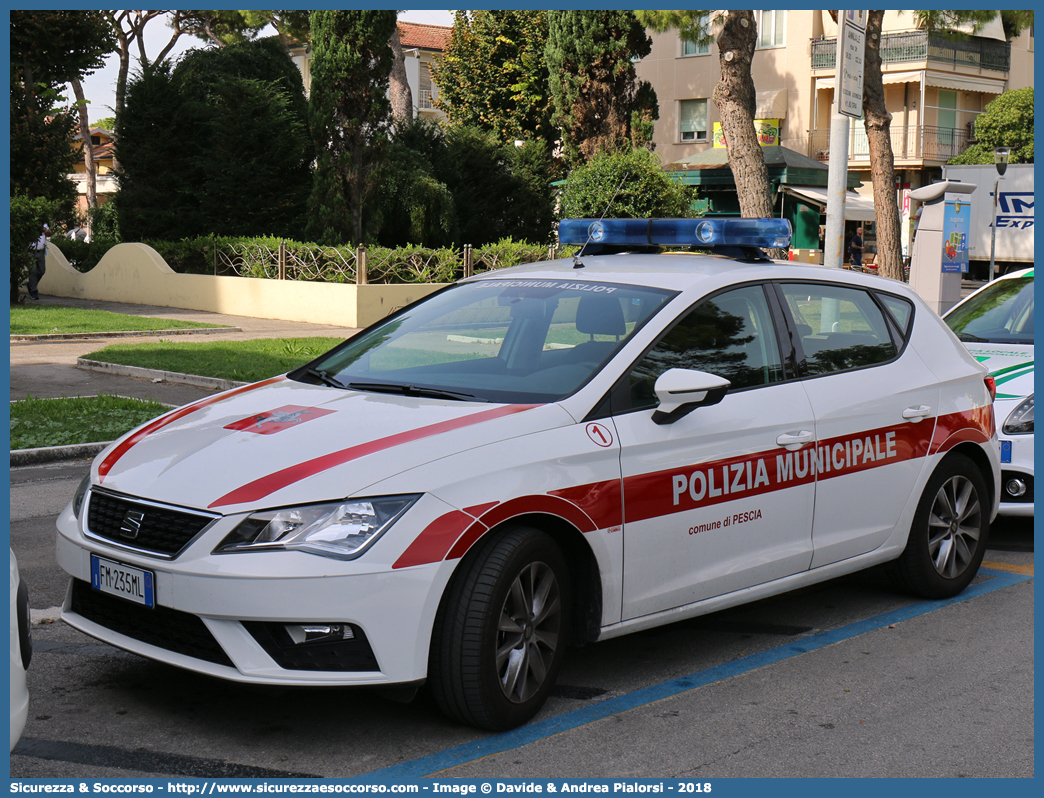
{"points": [[131, 525]]}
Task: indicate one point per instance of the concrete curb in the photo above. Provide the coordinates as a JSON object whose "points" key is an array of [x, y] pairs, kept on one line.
{"points": [[51, 454], [21, 339], [158, 376]]}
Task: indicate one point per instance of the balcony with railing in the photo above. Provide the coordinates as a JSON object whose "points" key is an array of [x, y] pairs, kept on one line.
{"points": [[927, 46], [910, 143]]}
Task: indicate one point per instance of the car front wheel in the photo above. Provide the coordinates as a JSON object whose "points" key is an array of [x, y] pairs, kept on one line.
{"points": [[949, 532], [500, 634]]}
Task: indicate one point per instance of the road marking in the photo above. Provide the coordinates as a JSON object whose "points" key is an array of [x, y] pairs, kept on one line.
{"points": [[567, 721], [1025, 570]]}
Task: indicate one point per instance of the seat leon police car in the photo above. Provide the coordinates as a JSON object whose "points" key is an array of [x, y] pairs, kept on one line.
{"points": [[541, 456]]}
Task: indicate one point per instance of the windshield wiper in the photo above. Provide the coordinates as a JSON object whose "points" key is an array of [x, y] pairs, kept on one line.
{"points": [[410, 390], [974, 339], [325, 378]]}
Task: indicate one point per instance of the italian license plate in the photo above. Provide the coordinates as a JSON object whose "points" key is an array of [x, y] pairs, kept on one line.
{"points": [[125, 581], [1005, 451]]}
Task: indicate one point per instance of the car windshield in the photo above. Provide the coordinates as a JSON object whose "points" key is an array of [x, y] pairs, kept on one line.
{"points": [[1001, 314], [511, 341]]}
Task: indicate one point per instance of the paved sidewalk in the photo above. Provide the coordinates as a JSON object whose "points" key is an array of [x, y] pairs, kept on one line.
{"points": [[48, 368]]}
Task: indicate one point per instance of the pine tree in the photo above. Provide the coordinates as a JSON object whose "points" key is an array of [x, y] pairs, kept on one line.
{"points": [[350, 116], [598, 103]]}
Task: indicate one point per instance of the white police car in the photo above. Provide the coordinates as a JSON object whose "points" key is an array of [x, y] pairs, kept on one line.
{"points": [[996, 324], [545, 455]]}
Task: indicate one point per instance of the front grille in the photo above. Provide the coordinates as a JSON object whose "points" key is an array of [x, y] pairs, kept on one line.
{"points": [[146, 527], [162, 627]]}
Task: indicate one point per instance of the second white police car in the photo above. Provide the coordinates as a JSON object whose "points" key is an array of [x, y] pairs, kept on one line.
{"points": [[538, 457]]}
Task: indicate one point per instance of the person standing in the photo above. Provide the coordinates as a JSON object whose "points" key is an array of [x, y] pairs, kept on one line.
{"points": [[857, 248], [36, 273]]}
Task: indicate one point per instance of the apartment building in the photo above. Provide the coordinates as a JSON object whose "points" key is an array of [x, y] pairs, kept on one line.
{"points": [[935, 87]]}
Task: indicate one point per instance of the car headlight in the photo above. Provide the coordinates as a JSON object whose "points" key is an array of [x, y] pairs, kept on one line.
{"points": [[342, 530], [80, 495], [1020, 420]]}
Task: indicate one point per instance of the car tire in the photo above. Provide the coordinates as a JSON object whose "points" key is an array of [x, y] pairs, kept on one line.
{"points": [[949, 533], [501, 630]]}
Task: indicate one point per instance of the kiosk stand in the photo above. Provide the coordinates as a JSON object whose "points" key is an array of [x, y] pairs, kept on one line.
{"points": [[939, 254]]}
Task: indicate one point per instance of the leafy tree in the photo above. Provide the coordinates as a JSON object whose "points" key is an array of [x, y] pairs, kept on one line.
{"points": [[415, 206], [598, 103], [1006, 122], [48, 50], [350, 116], [128, 27], [630, 185], [248, 169], [445, 187], [156, 199], [225, 26], [493, 74]]}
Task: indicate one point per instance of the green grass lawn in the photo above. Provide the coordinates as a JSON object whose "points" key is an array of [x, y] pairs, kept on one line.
{"points": [[243, 361], [60, 422], [53, 319]]}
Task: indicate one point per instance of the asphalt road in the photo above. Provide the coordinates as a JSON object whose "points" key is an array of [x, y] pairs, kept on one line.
{"points": [[846, 679]]}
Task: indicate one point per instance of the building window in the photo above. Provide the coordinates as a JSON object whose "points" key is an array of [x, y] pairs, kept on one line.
{"points": [[427, 94], [696, 48], [770, 28], [693, 120]]}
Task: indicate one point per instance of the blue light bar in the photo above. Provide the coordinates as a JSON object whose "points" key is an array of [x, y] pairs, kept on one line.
{"points": [[769, 233]]}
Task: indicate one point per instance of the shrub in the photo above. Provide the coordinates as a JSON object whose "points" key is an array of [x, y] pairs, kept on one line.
{"points": [[625, 185]]}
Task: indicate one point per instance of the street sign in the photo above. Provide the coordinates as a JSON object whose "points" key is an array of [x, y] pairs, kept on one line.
{"points": [[851, 42]]}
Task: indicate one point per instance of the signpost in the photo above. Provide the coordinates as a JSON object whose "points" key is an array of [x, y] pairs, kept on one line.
{"points": [[851, 44], [848, 103]]}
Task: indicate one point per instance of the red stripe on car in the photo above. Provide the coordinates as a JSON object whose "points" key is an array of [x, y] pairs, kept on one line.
{"points": [[266, 485], [125, 446]]}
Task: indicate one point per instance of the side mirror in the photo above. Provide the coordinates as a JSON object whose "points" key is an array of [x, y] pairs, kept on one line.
{"points": [[681, 391]]}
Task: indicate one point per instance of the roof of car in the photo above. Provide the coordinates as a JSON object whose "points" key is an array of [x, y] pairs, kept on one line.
{"points": [[678, 271]]}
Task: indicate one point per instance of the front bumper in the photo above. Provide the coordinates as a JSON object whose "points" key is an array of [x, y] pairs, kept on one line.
{"points": [[226, 615], [1016, 475]]}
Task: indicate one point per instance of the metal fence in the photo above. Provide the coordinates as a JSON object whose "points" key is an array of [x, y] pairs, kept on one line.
{"points": [[897, 48], [912, 142], [363, 265]]}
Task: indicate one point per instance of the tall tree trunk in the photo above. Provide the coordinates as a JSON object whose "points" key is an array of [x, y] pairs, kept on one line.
{"points": [[735, 98], [878, 123], [398, 86], [88, 149]]}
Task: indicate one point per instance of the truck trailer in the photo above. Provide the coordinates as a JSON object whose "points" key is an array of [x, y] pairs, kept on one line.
{"points": [[1014, 244]]}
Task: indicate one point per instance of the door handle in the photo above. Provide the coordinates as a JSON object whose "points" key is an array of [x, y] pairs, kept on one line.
{"points": [[794, 440], [917, 413]]}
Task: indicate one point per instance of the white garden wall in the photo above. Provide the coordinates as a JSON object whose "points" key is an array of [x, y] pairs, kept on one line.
{"points": [[137, 274]]}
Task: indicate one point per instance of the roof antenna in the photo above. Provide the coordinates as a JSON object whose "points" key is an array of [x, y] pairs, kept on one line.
{"points": [[577, 263]]}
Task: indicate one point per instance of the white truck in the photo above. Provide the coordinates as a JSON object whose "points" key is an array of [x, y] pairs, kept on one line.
{"points": [[1014, 247]]}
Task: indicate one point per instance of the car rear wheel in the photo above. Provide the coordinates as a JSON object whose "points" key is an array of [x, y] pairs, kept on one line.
{"points": [[500, 634], [949, 532]]}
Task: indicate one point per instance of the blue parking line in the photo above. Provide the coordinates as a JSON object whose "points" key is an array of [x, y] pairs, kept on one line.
{"points": [[533, 732]]}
